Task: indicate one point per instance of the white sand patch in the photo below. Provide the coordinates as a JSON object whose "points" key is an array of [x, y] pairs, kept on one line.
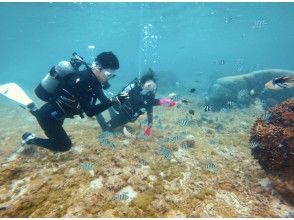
{"points": [[232, 200], [266, 184], [77, 149], [96, 183], [127, 194], [18, 188]]}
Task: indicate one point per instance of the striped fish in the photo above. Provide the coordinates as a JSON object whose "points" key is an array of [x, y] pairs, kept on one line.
{"points": [[144, 162], [207, 108], [184, 146], [122, 197], [266, 116], [112, 145], [104, 141], [184, 122], [230, 103], [105, 134], [165, 152], [176, 138], [133, 171], [211, 167], [87, 166]]}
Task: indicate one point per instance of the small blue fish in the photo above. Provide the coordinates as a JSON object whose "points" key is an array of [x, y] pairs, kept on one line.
{"points": [[165, 152], [87, 166], [211, 167]]}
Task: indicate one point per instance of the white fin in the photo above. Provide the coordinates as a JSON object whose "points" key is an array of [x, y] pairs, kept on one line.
{"points": [[15, 93]]}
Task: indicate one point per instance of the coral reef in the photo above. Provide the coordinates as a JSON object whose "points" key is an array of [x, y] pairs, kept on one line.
{"points": [[273, 141]]}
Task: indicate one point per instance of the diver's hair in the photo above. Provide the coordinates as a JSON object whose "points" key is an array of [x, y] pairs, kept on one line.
{"points": [[149, 75], [107, 60]]}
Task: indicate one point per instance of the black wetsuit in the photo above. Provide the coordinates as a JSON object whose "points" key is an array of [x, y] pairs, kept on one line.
{"points": [[129, 111], [78, 95]]}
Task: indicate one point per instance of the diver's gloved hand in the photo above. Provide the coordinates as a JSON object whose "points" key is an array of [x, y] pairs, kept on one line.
{"points": [[148, 131], [167, 102], [120, 98]]}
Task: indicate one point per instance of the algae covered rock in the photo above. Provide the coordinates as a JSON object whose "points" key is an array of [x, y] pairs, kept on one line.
{"points": [[242, 89], [272, 141]]}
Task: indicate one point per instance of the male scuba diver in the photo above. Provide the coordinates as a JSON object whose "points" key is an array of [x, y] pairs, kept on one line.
{"points": [[69, 91], [141, 99]]}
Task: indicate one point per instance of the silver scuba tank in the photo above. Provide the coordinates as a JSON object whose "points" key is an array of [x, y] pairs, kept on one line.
{"points": [[50, 84]]}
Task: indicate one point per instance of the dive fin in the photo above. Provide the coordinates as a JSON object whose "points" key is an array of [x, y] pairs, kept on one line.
{"points": [[15, 93]]}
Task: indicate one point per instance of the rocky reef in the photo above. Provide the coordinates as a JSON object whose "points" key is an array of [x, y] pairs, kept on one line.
{"points": [[272, 141], [192, 166], [243, 89]]}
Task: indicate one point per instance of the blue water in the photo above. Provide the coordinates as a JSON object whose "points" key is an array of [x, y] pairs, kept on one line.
{"points": [[191, 41]]}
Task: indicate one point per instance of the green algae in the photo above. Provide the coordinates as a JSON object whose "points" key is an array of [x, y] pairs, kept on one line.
{"points": [[203, 193]]}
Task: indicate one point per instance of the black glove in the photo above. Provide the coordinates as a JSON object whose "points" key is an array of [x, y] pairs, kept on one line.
{"points": [[120, 98]]}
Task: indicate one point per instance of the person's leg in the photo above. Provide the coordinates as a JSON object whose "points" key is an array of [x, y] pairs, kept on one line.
{"points": [[118, 120], [52, 127], [113, 113], [101, 121]]}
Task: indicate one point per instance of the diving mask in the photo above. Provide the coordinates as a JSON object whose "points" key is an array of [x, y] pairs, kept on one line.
{"points": [[109, 73], [149, 87]]}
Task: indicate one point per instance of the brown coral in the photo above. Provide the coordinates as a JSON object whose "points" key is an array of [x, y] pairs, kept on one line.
{"points": [[275, 147]]}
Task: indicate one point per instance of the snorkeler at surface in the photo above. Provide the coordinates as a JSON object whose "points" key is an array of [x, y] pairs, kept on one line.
{"points": [[76, 93], [141, 99]]}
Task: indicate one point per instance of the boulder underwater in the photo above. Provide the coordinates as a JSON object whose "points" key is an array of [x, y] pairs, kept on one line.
{"points": [[272, 141], [244, 89]]}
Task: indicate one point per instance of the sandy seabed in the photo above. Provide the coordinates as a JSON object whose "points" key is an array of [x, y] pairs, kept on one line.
{"points": [[203, 168]]}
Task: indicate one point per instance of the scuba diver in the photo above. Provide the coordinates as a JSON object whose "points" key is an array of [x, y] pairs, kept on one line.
{"points": [[141, 99], [69, 91]]}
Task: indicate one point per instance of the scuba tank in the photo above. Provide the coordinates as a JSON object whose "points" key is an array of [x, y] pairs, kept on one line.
{"points": [[51, 83], [134, 83]]}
